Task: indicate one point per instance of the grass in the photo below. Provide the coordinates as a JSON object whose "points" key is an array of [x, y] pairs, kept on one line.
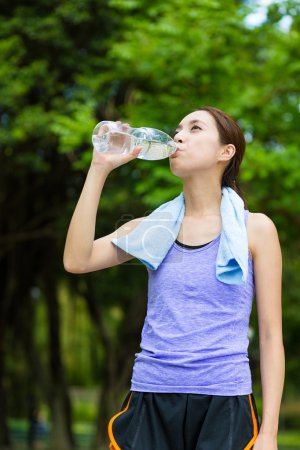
{"points": [[84, 432], [289, 439], [85, 412]]}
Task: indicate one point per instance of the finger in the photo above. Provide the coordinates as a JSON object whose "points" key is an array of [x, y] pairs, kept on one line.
{"points": [[103, 129], [132, 155], [125, 126], [137, 150]]}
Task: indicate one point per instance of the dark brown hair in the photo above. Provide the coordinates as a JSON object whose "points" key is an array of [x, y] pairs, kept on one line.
{"points": [[229, 133]]}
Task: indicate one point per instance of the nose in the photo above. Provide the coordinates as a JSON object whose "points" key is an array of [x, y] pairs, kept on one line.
{"points": [[178, 137]]}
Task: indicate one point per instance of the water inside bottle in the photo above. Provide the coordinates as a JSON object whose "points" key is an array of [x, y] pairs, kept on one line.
{"points": [[113, 142], [155, 150], [155, 143], [107, 137]]}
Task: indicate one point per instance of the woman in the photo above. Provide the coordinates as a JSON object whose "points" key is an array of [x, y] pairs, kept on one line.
{"points": [[191, 385]]}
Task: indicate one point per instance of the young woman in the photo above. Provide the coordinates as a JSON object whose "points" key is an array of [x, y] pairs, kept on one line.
{"points": [[191, 386]]}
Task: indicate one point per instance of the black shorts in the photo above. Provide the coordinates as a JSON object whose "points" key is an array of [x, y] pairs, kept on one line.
{"points": [[155, 421]]}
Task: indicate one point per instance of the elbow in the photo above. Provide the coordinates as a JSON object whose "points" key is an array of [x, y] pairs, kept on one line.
{"points": [[275, 339], [70, 267]]}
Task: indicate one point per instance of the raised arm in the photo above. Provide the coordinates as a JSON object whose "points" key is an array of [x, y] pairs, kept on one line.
{"points": [[82, 252]]}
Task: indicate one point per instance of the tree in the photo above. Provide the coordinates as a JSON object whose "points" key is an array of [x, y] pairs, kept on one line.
{"points": [[65, 66]]}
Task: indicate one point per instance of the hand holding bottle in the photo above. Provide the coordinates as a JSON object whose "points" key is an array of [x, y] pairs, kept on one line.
{"points": [[115, 158], [114, 138]]}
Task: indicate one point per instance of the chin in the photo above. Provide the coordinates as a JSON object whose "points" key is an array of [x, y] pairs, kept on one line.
{"points": [[177, 172]]}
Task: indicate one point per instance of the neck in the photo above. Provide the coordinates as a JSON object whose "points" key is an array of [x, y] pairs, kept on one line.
{"points": [[202, 197]]}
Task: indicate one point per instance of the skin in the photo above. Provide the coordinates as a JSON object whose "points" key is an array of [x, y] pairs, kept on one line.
{"points": [[199, 161]]}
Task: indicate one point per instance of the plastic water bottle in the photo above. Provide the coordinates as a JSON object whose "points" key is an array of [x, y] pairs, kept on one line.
{"points": [[110, 137]]}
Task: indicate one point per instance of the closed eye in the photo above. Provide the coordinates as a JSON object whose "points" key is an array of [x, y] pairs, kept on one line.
{"points": [[194, 127]]}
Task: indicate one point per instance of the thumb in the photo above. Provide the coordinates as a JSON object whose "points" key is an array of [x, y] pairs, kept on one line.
{"points": [[136, 152]]}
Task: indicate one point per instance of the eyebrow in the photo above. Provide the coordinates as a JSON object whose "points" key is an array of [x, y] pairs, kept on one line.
{"points": [[191, 122]]}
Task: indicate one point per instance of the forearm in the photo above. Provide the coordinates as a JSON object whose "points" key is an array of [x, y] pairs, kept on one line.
{"points": [[81, 232], [272, 368]]}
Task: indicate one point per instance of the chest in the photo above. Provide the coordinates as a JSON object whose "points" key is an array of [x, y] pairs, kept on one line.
{"points": [[201, 231], [195, 231]]}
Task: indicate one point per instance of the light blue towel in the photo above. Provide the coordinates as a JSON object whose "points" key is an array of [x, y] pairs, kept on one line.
{"points": [[151, 240]]}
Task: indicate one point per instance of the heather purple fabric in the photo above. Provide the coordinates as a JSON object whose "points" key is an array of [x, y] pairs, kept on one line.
{"points": [[195, 335]]}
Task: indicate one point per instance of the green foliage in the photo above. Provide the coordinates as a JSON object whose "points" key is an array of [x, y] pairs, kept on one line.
{"points": [[64, 66]]}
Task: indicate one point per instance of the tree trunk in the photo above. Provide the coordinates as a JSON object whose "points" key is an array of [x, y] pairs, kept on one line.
{"points": [[117, 365], [61, 434], [4, 433], [4, 302], [37, 384]]}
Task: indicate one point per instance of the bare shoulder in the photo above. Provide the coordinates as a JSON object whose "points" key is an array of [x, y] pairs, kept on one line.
{"points": [[267, 270], [261, 232]]}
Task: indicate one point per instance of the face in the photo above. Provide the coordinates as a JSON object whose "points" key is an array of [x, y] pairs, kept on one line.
{"points": [[198, 145]]}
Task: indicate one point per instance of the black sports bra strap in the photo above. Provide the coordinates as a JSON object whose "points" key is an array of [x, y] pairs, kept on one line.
{"points": [[191, 246]]}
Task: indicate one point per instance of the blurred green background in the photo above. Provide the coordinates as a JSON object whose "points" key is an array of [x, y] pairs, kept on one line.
{"points": [[67, 342]]}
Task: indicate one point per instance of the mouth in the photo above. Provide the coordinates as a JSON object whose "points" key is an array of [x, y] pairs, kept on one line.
{"points": [[175, 154]]}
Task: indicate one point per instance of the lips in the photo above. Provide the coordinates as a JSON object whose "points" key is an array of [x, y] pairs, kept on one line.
{"points": [[175, 154]]}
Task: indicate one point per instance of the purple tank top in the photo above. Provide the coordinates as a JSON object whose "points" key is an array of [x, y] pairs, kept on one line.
{"points": [[195, 334]]}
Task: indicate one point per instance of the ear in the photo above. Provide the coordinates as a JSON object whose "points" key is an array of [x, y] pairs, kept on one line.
{"points": [[227, 152]]}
